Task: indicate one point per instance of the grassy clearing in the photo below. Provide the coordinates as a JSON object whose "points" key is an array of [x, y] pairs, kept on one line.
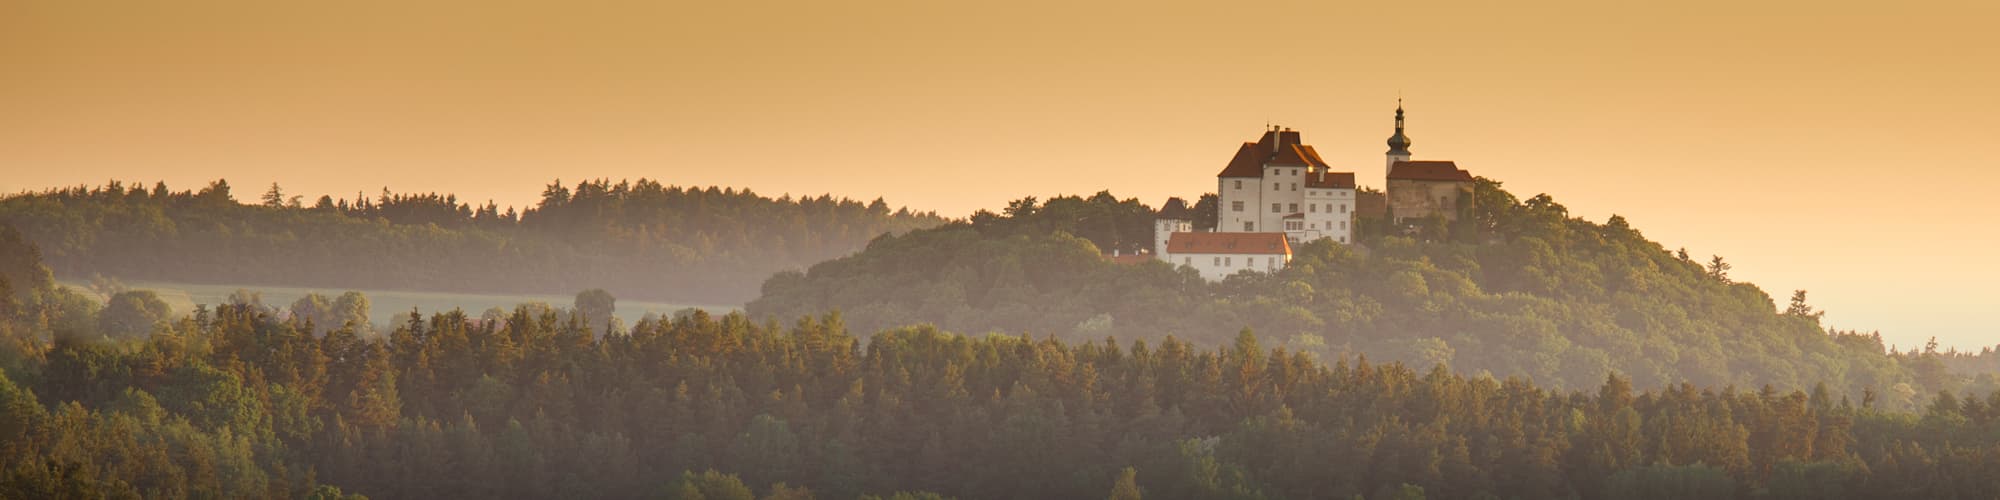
{"points": [[385, 306]]}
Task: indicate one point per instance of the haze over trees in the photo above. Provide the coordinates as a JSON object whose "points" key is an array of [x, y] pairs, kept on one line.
{"points": [[1518, 289], [637, 239], [234, 402], [1522, 354]]}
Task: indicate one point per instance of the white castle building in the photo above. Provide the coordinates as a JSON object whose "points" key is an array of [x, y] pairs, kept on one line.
{"points": [[1278, 192]]}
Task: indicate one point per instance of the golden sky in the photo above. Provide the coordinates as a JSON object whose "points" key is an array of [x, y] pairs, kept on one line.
{"points": [[1843, 147]]}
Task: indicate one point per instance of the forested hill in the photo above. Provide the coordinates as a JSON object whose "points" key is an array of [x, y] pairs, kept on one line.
{"points": [[244, 401], [1520, 288], [641, 240]]}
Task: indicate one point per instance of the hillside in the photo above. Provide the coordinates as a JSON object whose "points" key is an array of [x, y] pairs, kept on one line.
{"points": [[1519, 289], [641, 240]]}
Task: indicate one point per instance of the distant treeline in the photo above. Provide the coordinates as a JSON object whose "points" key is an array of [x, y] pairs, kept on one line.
{"points": [[640, 240], [1520, 288]]}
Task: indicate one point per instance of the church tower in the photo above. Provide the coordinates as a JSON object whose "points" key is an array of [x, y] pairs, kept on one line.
{"points": [[1399, 144]]}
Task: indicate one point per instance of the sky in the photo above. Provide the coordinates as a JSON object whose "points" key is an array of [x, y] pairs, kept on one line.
{"points": [[1842, 147]]}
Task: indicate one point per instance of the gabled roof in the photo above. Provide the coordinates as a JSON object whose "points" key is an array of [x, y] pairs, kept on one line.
{"points": [[1247, 163], [1278, 148], [1428, 171], [1228, 243], [1335, 180], [1289, 156]]}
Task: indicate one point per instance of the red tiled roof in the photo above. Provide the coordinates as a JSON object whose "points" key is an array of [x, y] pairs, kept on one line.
{"points": [[1276, 148], [1229, 243], [1428, 171], [1336, 180], [1312, 155], [1247, 163], [1288, 156]]}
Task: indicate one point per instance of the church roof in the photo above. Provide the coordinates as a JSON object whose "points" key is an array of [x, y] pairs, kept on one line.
{"points": [[1428, 171], [1229, 243]]}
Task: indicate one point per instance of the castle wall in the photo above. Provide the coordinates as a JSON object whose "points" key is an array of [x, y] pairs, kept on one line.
{"points": [[1329, 213], [1414, 199]]}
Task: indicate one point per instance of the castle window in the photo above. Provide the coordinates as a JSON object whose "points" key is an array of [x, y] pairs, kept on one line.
{"points": [[1239, 184], [1343, 208], [1236, 206], [1274, 207], [1218, 261], [1343, 239], [1275, 186], [1312, 207], [1343, 225], [1292, 225], [1187, 261], [1295, 186], [1249, 226], [1229, 261], [1294, 208]]}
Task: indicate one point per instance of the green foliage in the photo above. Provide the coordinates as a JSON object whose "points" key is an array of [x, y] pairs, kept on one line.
{"points": [[708, 485], [536, 406], [133, 313], [1671, 482], [1127, 485], [596, 304]]}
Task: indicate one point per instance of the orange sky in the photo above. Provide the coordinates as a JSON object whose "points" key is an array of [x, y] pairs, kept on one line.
{"points": [[1842, 147]]}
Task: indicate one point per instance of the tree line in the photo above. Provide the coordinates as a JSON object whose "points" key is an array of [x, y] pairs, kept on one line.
{"points": [[639, 239]]}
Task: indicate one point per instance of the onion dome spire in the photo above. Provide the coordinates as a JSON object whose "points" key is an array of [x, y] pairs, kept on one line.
{"points": [[1399, 144]]}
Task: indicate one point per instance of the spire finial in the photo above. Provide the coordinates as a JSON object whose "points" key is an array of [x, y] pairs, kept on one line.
{"points": [[1399, 144]]}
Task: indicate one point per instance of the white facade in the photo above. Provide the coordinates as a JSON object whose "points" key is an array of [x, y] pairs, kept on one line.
{"points": [[1164, 229], [1329, 214], [1217, 255], [1216, 266], [1237, 199]]}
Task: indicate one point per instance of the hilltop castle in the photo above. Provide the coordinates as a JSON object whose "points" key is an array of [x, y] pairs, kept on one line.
{"points": [[1277, 192]]}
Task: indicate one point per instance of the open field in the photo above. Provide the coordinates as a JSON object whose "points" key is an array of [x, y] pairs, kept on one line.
{"points": [[385, 306]]}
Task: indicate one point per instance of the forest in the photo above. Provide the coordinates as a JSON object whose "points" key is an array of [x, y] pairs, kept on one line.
{"points": [[637, 239], [1519, 288], [242, 400]]}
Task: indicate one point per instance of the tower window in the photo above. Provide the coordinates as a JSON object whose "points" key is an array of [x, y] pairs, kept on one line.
{"points": [[1236, 206], [1274, 186]]}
